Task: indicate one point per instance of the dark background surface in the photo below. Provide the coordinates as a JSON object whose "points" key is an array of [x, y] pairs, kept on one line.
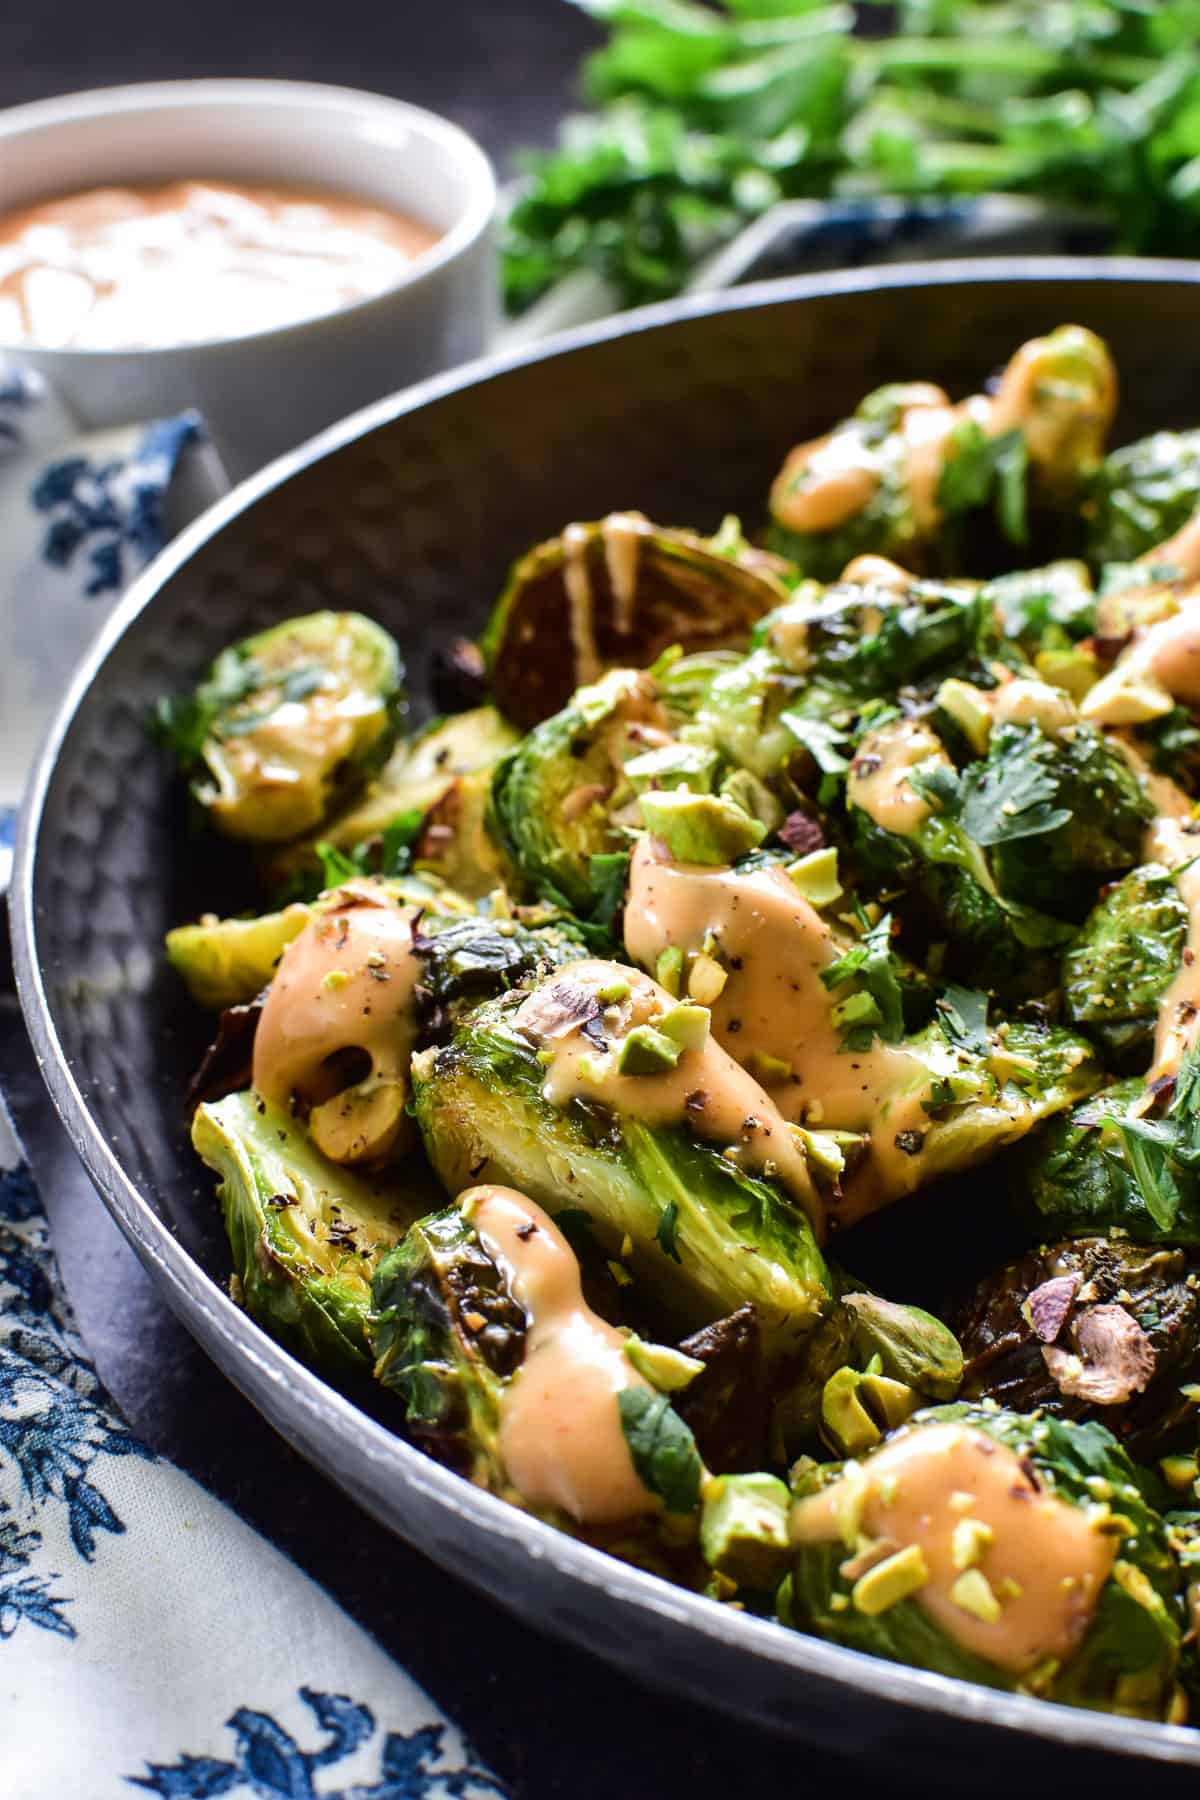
{"points": [[551, 1722], [504, 69]]}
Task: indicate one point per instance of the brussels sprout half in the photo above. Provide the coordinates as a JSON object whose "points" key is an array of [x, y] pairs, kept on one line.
{"points": [[1090, 1328], [617, 592], [429, 797], [306, 1235], [700, 1234], [447, 1335], [551, 798], [1142, 495], [1119, 967], [868, 1595], [287, 722], [1081, 1176], [458, 1337]]}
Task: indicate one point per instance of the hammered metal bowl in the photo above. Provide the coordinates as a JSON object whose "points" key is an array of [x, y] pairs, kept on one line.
{"points": [[412, 511]]}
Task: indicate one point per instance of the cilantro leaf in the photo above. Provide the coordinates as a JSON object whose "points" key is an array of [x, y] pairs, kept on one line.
{"points": [[1010, 795], [962, 1014], [336, 866], [182, 722], [1148, 1147], [980, 470], [662, 1447], [940, 785], [871, 966], [823, 743]]}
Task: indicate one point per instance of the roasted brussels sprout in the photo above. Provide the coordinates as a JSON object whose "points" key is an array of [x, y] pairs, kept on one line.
{"points": [[577, 1094], [1117, 970], [1059, 814], [1090, 1328], [226, 962], [1142, 495], [998, 858], [481, 1326], [287, 723], [868, 640], [1093, 1173], [551, 799], [618, 592], [911, 477], [475, 958], [849, 494], [1046, 612], [427, 800], [306, 1236], [1017, 1552], [869, 1365]]}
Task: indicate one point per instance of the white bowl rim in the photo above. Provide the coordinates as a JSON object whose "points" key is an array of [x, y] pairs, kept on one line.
{"points": [[166, 96]]}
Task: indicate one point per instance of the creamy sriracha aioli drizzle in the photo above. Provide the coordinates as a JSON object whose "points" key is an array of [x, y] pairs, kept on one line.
{"points": [[1045, 1562], [560, 1432], [345, 983], [878, 781], [706, 1090], [774, 946]]}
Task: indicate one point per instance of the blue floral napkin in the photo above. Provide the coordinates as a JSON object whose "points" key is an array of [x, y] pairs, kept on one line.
{"points": [[150, 1641]]}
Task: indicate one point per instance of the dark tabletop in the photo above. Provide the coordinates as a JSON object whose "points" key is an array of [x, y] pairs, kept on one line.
{"points": [[549, 1720]]}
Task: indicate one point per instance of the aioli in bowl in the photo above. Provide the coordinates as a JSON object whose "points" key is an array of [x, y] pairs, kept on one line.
{"points": [[146, 267]]}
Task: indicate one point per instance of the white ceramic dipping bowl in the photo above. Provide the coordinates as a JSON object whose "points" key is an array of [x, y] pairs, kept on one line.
{"points": [[265, 392]]}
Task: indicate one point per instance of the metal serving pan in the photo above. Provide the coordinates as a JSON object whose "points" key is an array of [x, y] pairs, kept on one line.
{"points": [[412, 511]]}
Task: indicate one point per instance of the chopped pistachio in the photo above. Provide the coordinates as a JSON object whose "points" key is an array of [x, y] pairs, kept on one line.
{"points": [[620, 1273], [960, 1501], [668, 970], [1126, 696], [968, 1541], [593, 1068], [687, 1024], [891, 1402], [1008, 1589], [744, 1527], [890, 1581], [849, 1499], [700, 828], [666, 1369], [972, 1593], [626, 1247], [856, 1009], [888, 1486], [1179, 1472], [673, 765], [1137, 1585], [647, 1052], [770, 1070], [545, 1057], [845, 1422], [335, 980], [613, 992], [816, 876], [707, 980], [839, 1603], [969, 707]]}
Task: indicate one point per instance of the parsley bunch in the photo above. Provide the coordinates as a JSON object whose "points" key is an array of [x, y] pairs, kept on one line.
{"points": [[705, 115]]}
